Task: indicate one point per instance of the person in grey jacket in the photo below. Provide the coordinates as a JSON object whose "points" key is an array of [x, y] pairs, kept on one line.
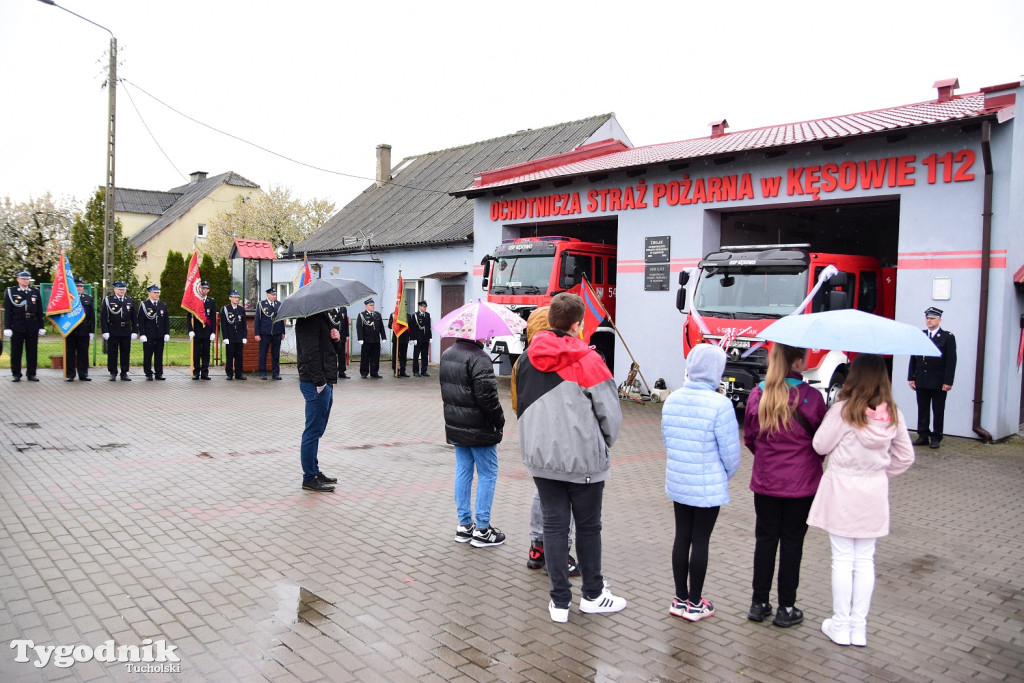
{"points": [[473, 423], [569, 417], [702, 444], [318, 373]]}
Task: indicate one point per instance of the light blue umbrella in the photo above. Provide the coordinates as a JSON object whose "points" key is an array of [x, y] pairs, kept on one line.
{"points": [[850, 330]]}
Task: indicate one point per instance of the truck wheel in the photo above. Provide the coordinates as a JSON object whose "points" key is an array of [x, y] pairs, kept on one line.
{"points": [[835, 385]]}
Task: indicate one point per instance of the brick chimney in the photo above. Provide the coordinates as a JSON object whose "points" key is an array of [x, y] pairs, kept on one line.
{"points": [[946, 88], [383, 164], [196, 177], [718, 128]]}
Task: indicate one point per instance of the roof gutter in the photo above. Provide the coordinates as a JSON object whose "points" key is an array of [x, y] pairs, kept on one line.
{"points": [[986, 254]]}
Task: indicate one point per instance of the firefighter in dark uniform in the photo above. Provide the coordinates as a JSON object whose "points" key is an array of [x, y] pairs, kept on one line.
{"points": [[23, 323], [370, 333], [234, 334], [269, 334], [120, 329], [338, 318], [78, 339], [399, 349], [932, 377], [420, 328], [154, 332], [202, 332]]}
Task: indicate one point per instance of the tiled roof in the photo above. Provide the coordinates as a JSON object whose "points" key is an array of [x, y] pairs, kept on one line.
{"points": [[415, 207], [189, 195], [154, 202], [253, 249], [833, 128]]}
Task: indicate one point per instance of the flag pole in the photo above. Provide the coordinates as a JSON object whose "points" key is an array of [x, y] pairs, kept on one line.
{"points": [[624, 344]]}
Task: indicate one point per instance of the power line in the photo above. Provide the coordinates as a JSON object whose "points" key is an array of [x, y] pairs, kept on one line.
{"points": [[270, 151], [146, 126]]}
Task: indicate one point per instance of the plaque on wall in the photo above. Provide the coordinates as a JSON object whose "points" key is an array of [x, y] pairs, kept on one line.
{"points": [[656, 278], [658, 249]]}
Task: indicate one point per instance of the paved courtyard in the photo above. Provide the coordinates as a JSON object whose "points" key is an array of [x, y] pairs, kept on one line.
{"points": [[171, 511]]}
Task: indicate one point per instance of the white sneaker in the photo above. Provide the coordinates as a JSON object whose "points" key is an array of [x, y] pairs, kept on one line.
{"points": [[559, 615], [838, 635], [859, 637], [604, 603]]}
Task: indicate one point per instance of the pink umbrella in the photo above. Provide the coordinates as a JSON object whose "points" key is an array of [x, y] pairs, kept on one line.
{"points": [[479, 320]]}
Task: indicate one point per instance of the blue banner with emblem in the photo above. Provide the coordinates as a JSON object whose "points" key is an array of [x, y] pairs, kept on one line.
{"points": [[64, 298]]}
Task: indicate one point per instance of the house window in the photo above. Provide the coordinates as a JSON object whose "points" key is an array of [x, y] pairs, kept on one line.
{"points": [[201, 230], [283, 290]]}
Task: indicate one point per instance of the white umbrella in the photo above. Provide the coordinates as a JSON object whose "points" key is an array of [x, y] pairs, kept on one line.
{"points": [[850, 330]]}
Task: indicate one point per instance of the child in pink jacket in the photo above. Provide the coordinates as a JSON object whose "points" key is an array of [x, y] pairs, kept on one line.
{"points": [[866, 439]]}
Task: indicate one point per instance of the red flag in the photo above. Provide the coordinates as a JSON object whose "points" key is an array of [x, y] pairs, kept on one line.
{"points": [[191, 300], [400, 319], [60, 295], [305, 275], [594, 312]]}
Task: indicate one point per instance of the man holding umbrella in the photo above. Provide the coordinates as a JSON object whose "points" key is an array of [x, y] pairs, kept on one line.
{"points": [[931, 378], [318, 373]]}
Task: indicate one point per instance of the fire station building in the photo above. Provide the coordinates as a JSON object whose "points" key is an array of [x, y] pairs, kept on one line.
{"points": [[933, 189]]}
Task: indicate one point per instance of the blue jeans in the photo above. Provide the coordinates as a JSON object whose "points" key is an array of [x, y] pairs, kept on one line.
{"points": [[318, 411], [485, 458]]}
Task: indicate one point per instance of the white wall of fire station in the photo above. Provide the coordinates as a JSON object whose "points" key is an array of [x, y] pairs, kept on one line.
{"points": [[940, 235]]}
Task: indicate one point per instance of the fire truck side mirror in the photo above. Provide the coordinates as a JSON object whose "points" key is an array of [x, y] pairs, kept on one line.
{"points": [[486, 263], [684, 278], [681, 299]]}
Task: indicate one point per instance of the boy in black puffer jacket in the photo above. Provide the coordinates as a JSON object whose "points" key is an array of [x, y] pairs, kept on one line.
{"points": [[473, 421]]}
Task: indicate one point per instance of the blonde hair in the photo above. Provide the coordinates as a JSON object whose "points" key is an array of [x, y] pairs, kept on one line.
{"points": [[867, 386], [775, 410]]}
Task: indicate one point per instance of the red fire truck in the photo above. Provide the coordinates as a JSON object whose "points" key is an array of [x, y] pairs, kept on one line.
{"points": [[742, 290], [525, 273]]}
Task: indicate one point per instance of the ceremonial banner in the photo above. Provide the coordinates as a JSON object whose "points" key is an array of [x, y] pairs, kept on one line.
{"points": [[192, 300], [400, 321], [305, 275], [65, 307], [594, 313]]}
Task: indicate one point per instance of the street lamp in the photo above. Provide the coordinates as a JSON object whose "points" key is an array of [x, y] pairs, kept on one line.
{"points": [[108, 209]]}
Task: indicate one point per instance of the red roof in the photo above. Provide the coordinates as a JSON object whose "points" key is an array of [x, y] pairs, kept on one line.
{"points": [[933, 112], [253, 249]]}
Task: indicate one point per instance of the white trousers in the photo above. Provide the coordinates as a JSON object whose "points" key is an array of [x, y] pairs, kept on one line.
{"points": [[853, 581]]}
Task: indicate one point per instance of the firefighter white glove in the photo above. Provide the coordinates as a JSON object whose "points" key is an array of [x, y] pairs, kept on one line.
{"points": [[226, 341], [106, 335], [213, 336], [91, 335], [244, 340], [42, 332], [134, 336], [359, 341], [412, 342], [143, 339], [8, 333], [167, 337], [191, 335]]}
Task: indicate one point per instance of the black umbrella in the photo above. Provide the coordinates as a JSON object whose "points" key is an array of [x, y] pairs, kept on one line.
{"points": [[323, 295]]}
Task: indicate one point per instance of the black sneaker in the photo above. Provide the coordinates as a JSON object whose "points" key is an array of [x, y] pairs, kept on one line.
{"points": [[263, 377], [125, 378], [276, 377], [536, 560], [485, 538], [574, 568], [321, 477], [315, 484], [921, 441], [464, 534], [759, 610], [33, 378], [788, 616], [161, 378], [242, 378], [423, 374], [934, 443]]}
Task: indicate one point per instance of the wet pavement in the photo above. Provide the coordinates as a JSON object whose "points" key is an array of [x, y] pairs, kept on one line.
{"points": [[172, 511]]}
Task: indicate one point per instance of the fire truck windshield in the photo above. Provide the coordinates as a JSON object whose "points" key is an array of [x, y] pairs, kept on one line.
{"points": [[750, 293], [522, 274]]}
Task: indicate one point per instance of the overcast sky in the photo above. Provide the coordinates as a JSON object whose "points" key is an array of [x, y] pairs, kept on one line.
{"points": [[325, 82]]}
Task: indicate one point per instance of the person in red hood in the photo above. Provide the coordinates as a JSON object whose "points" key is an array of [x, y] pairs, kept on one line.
{"points": [[569, 417]]}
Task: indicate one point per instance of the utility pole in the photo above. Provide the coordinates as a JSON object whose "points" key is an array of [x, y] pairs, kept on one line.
{"points": [[108, 199]]}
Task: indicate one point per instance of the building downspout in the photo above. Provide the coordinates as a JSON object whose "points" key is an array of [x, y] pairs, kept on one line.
{"points": [[986, 254]]}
